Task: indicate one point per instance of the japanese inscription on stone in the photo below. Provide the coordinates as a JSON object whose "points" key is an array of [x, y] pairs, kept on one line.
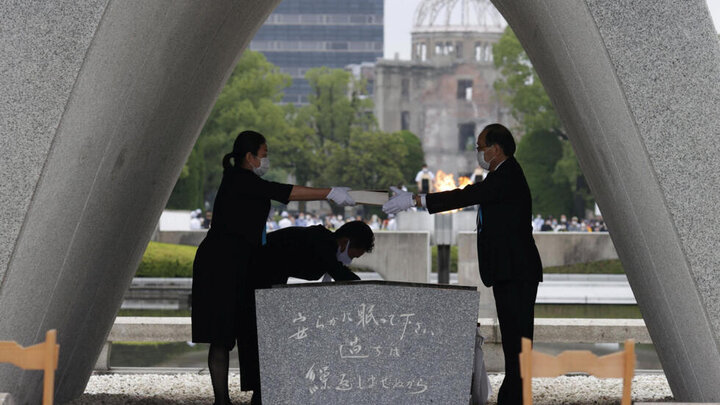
{"points": [[363, 343]]}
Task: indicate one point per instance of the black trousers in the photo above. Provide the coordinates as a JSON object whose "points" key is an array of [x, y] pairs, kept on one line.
{"points": [[515, 304]]}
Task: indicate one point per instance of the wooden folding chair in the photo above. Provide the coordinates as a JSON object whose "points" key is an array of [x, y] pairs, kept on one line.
{"points": [[42, 356], [616, 365]]}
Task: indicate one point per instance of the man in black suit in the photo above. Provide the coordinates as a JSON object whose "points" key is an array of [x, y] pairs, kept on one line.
{"points": [[302, 252], [508, 258], [310, 252]]}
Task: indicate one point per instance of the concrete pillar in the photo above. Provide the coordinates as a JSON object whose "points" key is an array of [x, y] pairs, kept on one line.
{"points": [[637, 86], [101, 102], [103, 360]]}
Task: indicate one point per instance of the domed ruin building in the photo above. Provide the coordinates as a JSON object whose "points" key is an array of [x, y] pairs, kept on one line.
{"points": [[445, 93]]}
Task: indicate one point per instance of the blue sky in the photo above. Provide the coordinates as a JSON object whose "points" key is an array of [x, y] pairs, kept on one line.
{"points": [[398, 23]]}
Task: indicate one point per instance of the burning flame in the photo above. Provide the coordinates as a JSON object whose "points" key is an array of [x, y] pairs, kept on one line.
{"points": [[464, 181], [446, 182]]}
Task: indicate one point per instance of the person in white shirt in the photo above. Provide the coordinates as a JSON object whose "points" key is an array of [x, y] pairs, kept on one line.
{"points": [[537, 223], [195, 223], [337, 221], [424, 179], [478, 175], [374, 223], [285, 221]]}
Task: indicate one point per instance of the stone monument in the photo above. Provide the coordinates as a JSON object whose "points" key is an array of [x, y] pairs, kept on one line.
{"points": [[366, 342], [101, 102]]}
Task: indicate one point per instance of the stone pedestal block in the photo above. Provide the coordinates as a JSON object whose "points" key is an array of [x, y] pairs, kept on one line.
{"points": [[366, 343], [6, 399]]}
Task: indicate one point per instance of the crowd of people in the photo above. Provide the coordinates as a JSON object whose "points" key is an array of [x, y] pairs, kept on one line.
{"points": [[198, 221], [284, 219], [539, 224], [551, 224]]}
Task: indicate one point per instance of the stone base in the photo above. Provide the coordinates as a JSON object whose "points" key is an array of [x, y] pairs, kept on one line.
{"points": [[366, 342], [6, 399]]}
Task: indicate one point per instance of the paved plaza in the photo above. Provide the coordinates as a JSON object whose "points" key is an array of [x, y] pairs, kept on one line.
{"points": [[196, 389]]}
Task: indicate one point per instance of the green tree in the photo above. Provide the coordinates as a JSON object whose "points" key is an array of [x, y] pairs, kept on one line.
{"points": [[372, 160], [298, 145], [188, 192], [330, 111], [521, 89], [338, 103], [567, 169], [339, 113], [333, 140], [249, 100], [539, 152], [415, 156], [341, 142]]}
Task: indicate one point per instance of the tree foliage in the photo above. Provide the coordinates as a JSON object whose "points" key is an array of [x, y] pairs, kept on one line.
{"points": [[188, 193], [249, 100], [349, 148], [372, 160], [521, 89], [332, 113], [415, 155], [333, 140], [337, 108], [296, 148], [539, 152]]}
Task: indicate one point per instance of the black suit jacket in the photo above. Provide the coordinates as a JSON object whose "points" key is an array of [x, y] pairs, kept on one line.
{"points": [[305, 253], [505, 245]]}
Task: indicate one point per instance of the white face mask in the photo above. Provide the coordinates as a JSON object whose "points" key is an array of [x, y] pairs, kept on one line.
{"points": [[481, 160], [263, 168], [344, 257]]}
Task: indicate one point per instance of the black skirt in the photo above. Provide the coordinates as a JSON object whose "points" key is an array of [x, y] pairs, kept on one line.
{"points": [[222, 294]]}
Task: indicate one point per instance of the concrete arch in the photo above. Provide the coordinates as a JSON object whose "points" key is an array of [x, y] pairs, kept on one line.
{"points": [[637, 86], [101, 102]]}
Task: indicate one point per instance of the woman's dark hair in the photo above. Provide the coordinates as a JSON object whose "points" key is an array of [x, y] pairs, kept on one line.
{"points": [[498, 134], [246, 141], [359, 233]]}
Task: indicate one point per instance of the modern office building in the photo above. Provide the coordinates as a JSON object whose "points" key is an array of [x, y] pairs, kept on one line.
{"points": [[303, 34]]}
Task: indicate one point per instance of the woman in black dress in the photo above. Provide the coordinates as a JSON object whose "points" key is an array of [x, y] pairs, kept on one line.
{"points": [[223, 302]]}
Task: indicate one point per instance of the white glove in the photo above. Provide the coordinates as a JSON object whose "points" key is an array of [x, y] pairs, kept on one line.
{"points": [[401, 201], [340, 196]]}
